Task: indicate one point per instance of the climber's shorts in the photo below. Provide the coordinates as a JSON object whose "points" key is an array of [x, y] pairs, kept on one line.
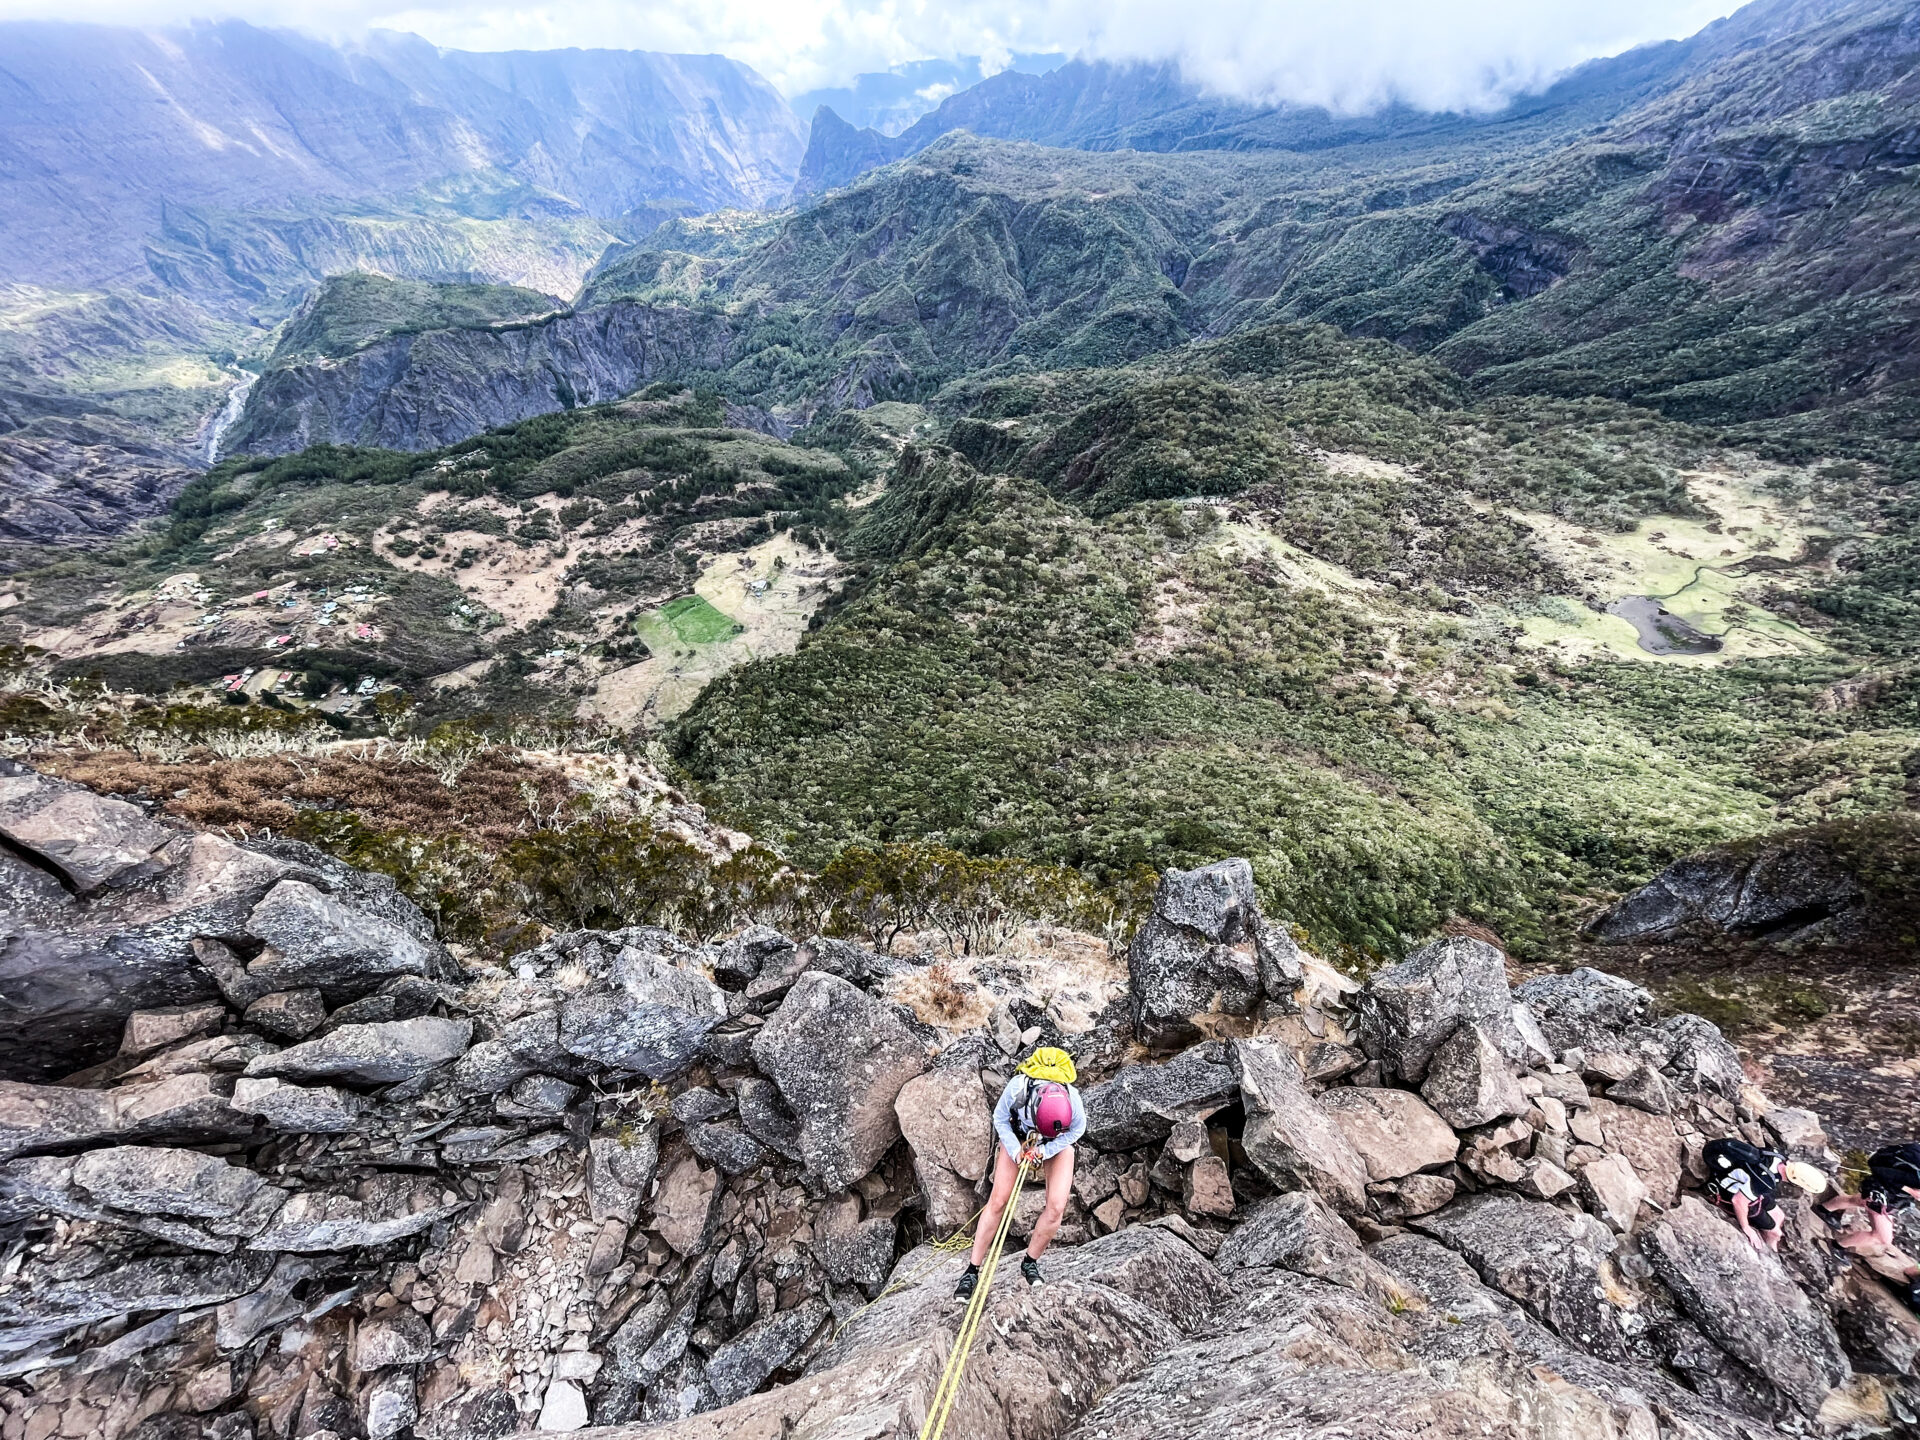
{"points": [[1760, 1213]]}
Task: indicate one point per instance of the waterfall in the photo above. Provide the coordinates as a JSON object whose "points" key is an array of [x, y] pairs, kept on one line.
{"points": [[229, 413]]}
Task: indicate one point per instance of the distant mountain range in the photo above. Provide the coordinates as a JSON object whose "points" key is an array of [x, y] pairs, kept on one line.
{"points": [[891, 100], [1104, 106], [104, 131], [1650, 227]]}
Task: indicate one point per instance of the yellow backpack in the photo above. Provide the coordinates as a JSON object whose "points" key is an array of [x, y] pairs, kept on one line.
{"points": [[1047, 1063]]}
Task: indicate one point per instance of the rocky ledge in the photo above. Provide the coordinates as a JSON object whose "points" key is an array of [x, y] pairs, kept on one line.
{"points": [[317, 1180]]}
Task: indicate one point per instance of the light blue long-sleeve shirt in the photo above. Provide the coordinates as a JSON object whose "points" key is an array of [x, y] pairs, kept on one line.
{"points": [[1016, 1108]]}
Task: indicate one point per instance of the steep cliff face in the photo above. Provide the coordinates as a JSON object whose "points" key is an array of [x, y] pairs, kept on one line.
{"points": [[416, 392]]}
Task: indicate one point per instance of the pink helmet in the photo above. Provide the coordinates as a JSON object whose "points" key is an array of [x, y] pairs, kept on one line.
{"points": [[1054, 1114]]}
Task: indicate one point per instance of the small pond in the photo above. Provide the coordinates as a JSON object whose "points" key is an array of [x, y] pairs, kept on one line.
{"points": [[1662, 632]]}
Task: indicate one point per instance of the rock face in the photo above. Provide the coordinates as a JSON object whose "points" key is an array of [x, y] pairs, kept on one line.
{"points": [[443, 1212], [1747, 1304], [840, 1059], [1289, 1138], [416, 392], [1799, 888], [115, 913], [1548, 1260], [1409, 1010]]}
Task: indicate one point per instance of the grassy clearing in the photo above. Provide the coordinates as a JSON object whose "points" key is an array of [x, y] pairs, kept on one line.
{"points": [[695, 622], [746, 605]]}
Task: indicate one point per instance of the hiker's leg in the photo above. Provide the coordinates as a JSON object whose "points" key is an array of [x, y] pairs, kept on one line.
{"points": [[1873, 1241], [1004, 1171], [1059, 1173]]}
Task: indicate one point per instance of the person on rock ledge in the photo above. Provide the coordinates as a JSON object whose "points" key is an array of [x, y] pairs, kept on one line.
{"points": [[1743, 1178], [1041, 1104], [1892, 1185]]}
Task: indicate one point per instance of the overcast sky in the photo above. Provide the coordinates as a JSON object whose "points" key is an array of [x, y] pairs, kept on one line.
{"points": [[1351, 54]]}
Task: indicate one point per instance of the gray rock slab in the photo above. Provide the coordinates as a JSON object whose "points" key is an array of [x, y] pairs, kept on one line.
{"points": [[1744, 1300], [840, 1058], [381, 1054], [1141, 1103], [1288, 1137]]}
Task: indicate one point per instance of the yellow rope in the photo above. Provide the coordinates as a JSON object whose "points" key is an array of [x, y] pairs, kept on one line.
{"points": [[949, 1388]]}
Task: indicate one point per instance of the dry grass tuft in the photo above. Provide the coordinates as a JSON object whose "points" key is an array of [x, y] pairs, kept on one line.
{"points": [[494, 798]]}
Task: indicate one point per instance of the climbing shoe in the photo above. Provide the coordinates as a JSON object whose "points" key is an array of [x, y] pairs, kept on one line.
{"points": [[1835, 1220], [1912, 1293], [1030, 1271], [969, 1279]]}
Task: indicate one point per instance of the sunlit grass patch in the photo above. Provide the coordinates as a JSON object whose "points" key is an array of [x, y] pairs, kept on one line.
{"points": [[695, 622]]}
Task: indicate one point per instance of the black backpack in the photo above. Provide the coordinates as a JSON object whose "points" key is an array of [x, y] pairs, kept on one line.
{"points": [[1726, 1156], [1899, 1164]]}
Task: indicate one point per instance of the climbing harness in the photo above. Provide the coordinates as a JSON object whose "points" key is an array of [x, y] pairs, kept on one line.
{"points": [[949, 1388]]}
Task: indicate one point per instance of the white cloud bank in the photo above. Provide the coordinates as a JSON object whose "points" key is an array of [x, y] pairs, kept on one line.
{"points": [[1347, 54]]}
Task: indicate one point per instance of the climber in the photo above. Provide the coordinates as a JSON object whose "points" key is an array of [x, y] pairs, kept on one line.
{"points": [[1041, 1104], [1891, 1187], [1743, 1178]]}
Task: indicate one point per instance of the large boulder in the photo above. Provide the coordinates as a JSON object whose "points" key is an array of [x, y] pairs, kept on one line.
{"points": [[655, 1016], [1394, 1131], [741, 960], [1548, 1259], [104, 910], [1407, 1011], [1826, 883], [840, 1058], [1745, 1301], [1287, 1137], [1141, 1104], [949, 1126], [379, 1054], [95, 843], [315, 939], [1299, 1232], [1469, 1081], [1613, 1190], [1587, 1009], [1196, 953]]}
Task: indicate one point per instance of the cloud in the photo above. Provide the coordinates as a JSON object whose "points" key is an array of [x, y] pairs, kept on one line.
{"points": [[1352, 55]]}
